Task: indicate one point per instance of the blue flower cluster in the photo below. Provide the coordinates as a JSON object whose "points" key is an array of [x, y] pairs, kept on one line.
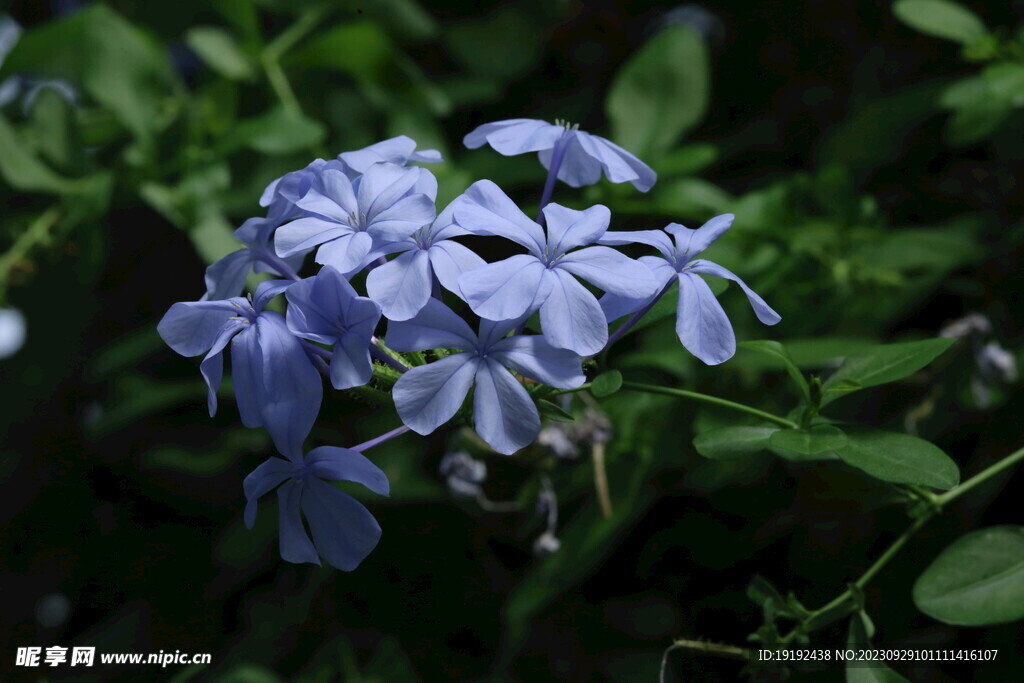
{"points": [[369, 218]]}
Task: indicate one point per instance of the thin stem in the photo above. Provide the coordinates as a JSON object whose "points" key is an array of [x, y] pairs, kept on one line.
{"points": [[376, 441], [557, 155], [633, 319], [982, 476], [281, 87], [601, 480], [38, 231], [386, 359], [291, 36], [683, 393]]}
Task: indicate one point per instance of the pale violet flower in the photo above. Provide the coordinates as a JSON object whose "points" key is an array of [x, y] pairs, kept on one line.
{"points": [[12, 331]]}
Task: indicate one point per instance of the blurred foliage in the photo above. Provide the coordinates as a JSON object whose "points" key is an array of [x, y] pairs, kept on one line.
{"points": [[875, 186]]}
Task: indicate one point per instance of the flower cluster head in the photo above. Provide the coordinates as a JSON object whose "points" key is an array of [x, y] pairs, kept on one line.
{"points": [[395, 300]]}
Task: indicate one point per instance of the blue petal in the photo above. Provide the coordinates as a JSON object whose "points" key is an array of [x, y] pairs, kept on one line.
{"points": [[401, 286], [532, 356], [450, 260], [571, 317], [212, 367], [515, 136], [429, 395], [486, 210], [655, 238], [384, 184], [764, 312], [226, 277], [578, 168], [332, 196], [618, 164], [346, 253], [611, 271], [255, 232], [505, 416], [398, 150], [701, 324], [615, 306], [262, 481], [568, 229], [350, 364], [295, 544], [267, 290], [690, 243], [342, 464], [506, 289], [192, 327], [305, 233], [344, 531], [435, 327], [247, 375], [402, 218]]}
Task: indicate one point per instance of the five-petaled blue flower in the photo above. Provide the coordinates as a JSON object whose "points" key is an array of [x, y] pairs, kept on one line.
{"points": [[701, 324], [404, 285], [326, 309], [276, 385], [579, 156], [429, 395], [351, 220], [570, 315], [344, 532]]}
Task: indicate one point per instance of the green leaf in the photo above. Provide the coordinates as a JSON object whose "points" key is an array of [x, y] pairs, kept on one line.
{"points": [[942, 19], [553, 412], [862, 630], [405, 18], [361, 49], [22, 170], [606, 384], [278, 131], [774, 348], [977, 581], [221, 52], [661, 92], [55, 124], [814, 440], [899, 458], [726, 443], [880, 365]]}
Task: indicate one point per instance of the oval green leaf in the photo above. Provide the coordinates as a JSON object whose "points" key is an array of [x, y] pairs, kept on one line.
{"points": [[899, 458], [881, 364], [942, 19], [978, 580], [815, 440], [606, 384], [726, 443]]}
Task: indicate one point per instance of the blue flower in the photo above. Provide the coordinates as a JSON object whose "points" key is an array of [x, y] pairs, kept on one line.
{"points": [[344, 532], [404, 285], [351, 220], [701, 324], [226, 277], [276, 386], [429, 395], [326, 309], [579, 156], [544, 278], [282, 194]]}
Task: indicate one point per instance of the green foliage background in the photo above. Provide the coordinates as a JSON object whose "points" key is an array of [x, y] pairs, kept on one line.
{"points": [[872, 155]]}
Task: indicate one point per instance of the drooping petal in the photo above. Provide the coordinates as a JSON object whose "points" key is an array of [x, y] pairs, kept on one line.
{"points": [[344, 531], [262, 481], [315, 305], [342, 464], [571, 317], [568, 229], [192, 327], [395, 150], [295, 544], [486, 210], [435, 327], [515, 136], [226, 277], [292, 389], [618, 164], [578, 169], [450, 260], [267, 290], [655, 238], [534, 357], [247, 375], [505, 289], [690, 243], [701, 324], [212, 367], [429, 395], [305, 233], [350, 364], [611, 271], [401, 286], [762, 310], [505, 416]]}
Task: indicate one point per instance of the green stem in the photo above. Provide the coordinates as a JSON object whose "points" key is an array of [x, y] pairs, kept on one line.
{"points": [[683, 393], [36, 233], [982, 476], [291, 36], [281, 87]]}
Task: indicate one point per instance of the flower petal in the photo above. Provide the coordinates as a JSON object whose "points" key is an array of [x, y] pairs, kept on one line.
{"points": [[212, 367], [762, 310], [429, 395], [568, 229], [344, 531], [534, 357], [401, 286], [247, 375], [611, 271], [701, 324], [486, 210], [505, 289], [619, 165], [505, 416], [450, 260], [382, 185], [346, 253], [295, 544], [192, 327], [262, 481], [342, 464], [435, 327], [578, 168], [571, 317], [690, 243], [515, 136], [350, 364], [226, 277], [394, 150], [655, 238], [402, 218], [305, 233]]}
